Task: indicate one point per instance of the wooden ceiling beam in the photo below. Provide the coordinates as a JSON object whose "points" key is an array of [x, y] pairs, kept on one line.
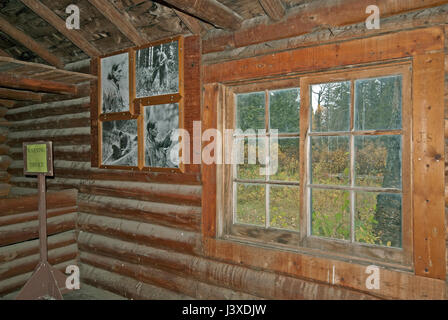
{"points": [[122, 23], [28, 42], [304, 19], [273, 8], [192, 23], [14, 82], [20, 95], [211, 11], [53, 19]]}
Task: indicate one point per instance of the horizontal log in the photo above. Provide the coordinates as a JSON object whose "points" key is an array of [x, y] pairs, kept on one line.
{"points": [[23, 83], [139, 232], [27, 248], [155, 192], [125, 286], [31, 216], [348, 274], [30, 230], [54, 184], [412, 20], [257, 283], [4, 177], [71, 136], [20, 95], [67, 153], [15, 283], [4, 189], [163, 279], [4, 123], [180, 217], [82, 66], [60, 199], [29, 263], [21, 192], [5, 162], [75, 120], [4, 149], [54, 108], [317, 57], [82, 170], [3, 111], [304, 19], [7, 103]]}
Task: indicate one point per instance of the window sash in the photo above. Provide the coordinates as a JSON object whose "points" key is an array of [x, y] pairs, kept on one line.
{"points": [[303, 241]]}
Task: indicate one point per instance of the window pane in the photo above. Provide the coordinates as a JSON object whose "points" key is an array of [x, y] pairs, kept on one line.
{"points": [[253, 155], [378, 218], [330, 214], [378, 161], [250, 111], [330, 160], [288, 167], [330, 107], [378, 103], [251, 204], [284, 110], [284, 207]]}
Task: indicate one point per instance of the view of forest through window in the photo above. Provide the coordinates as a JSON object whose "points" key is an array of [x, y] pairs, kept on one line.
{"points": [[354, 161]]}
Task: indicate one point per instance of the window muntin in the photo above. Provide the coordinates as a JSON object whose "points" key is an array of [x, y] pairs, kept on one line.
{"points": [[269, 201]]}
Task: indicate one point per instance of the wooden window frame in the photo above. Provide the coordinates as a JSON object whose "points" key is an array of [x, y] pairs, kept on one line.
{"points": [[425, 50], [303, 239]]}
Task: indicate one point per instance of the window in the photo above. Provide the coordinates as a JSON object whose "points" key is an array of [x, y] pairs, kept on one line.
{"points": [[331, 175]]}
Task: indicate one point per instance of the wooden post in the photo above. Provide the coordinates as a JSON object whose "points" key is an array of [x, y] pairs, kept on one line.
{"points": [[42, 218]]}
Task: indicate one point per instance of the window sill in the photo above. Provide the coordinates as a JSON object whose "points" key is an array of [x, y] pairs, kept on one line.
{"points": [[316, 252]]}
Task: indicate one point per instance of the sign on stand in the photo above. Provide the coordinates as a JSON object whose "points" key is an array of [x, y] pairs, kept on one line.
{"points": [[46, 281]]}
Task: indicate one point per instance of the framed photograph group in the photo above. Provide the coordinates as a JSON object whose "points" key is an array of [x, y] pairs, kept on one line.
{"points": [[140, 107]]}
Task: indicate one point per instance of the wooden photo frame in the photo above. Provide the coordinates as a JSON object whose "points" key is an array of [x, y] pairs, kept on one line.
{"points": [[122, 130], [162, 144], [115, 85], [158, 69], [119, 143]]}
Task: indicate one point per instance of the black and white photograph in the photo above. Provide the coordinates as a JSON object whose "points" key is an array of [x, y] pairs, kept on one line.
{"points": [[157, 70], [161, 136], [120, 143], [115, 83]]}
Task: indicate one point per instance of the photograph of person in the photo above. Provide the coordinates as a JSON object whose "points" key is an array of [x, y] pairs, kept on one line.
{"points": [[157, 70], [115, 83], [120, 143], [161, 136]]}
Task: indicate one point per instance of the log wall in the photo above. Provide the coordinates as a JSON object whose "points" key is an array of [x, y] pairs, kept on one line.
{"points": [[140, 233], [5, 159], [19, 243]]}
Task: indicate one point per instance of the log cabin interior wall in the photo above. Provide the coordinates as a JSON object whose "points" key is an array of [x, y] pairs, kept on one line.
{"points": [[152, 235]]}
